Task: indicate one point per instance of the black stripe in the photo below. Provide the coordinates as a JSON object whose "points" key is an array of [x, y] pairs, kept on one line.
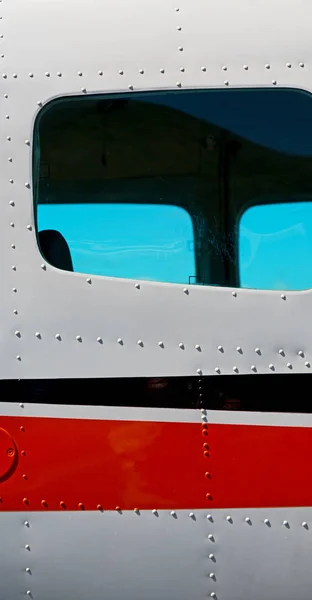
{"points": [[263, 393]]}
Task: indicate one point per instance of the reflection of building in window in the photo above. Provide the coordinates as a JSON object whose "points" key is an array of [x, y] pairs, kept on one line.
{"points": [[153, 186]]}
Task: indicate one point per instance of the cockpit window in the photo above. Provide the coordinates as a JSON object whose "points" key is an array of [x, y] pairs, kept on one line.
{"points": [[172, 186]]}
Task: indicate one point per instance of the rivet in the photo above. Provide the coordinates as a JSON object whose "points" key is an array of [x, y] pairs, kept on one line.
{"points": [[4, 75], [78, 338], [208, 496], [224, 68], [59, 74], [162, 70], [179, 28], [100, 73], [245, 67], [13, 268], [29, 227], [30, 75], [274, 82], [11, 181], [211, 537], [289, 366], [27, 547], [258, 351], [62, 504], [27, 570], [173, 513], [304, 524], [15, 312], [38, 335], [235, 369], [207, 475], [177, 9], [22, 428], [44, 503], [10, 159], [39, 103], [283, 296], [301, 64], [88, 280], [206, 446], [43, 267], [213, 595], [161, 344], [272, 367], [248, 520], [181, 346], [217, 370], [120, 341], [285, 523], [229, 519], [27, 142], [130, 87], [198, 347], [267, 66], [212, 575], [14, 290], [28, 593], [281, 352], [137, 286], [14, 75], [140, 343], [226, 82], [79, 74], [11, 203], [191, 515], [182, 69], [83, 89], [23, 452], [26, 523], [58, 337], [47, 74], [203, 68], [24, 476], [13, 246], [180, 49], [7, 116], [25, 500], [307, 364], [210, 518], [81, 506], [211, 556], [221, 349], [234, 294], [155, 512], [239, 350], [6, 95], [141, 71], [179, 84], [99, 340], [99, 507], [117, 508], [266, 522], [120, 72], [301, 353], [185, 290], [8, 138], [18, 357], [254, 368]]}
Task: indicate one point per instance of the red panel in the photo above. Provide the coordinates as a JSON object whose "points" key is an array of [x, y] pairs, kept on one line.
{"points": [[75, 464]]}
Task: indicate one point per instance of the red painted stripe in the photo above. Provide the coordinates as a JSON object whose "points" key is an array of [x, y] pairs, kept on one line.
{"points": [[74, 464]]}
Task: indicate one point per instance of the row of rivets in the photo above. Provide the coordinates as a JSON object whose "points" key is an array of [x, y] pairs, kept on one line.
{"points": [[141, 71]]}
